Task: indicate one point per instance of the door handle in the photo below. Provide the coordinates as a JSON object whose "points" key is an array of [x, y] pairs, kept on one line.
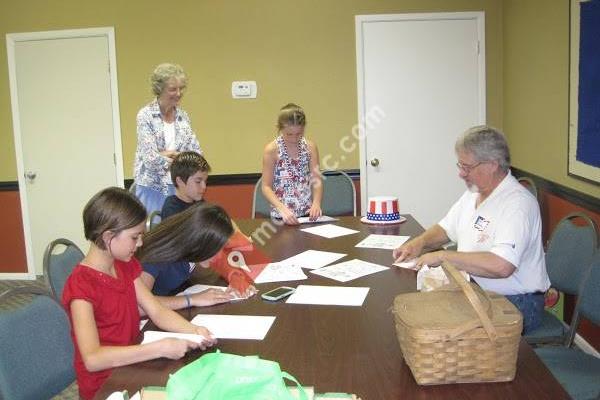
{"points": [[375, 162], [30, 175]]}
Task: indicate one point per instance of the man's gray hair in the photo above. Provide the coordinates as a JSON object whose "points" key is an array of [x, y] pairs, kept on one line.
{"points": [[486, 143], [161, 75]]}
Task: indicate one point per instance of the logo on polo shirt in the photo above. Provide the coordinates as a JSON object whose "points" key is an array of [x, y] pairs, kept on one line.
{"points": [[481, 223]]}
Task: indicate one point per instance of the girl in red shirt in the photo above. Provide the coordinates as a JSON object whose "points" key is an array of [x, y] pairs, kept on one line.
{"points": [[104, 291]]}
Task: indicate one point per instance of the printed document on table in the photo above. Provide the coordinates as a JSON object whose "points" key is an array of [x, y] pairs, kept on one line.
{"points": [[329, 295], [235, 326], [349, 270], [322, 218], [278, 272], [312, 259], [329, 231], [388, 242], [199, 288]]}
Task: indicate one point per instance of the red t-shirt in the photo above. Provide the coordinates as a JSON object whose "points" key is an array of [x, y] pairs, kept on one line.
{"points": [[115, 311]]}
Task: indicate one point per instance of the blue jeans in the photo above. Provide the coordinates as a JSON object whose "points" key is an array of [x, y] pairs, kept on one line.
{"points": [[531, 306], [152, 199]]}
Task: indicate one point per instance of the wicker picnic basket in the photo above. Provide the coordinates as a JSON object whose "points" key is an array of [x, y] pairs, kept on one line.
{"points": [[458, 333]]}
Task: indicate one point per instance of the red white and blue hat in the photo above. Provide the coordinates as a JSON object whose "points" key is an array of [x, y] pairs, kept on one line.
{"points": [[383, 210]]}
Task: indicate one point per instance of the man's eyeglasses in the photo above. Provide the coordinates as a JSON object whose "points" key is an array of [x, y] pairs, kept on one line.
{"points": [[467, 168]]}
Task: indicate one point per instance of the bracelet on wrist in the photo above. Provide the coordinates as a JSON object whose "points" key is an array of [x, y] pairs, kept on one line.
{"points": [[188, 300]]}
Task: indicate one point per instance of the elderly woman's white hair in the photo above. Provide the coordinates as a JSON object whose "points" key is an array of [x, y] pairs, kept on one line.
{"points": [[161, 75], [486, 143]]}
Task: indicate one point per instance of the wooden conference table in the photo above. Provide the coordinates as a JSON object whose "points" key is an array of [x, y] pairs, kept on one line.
{"points": [[337, 348]]}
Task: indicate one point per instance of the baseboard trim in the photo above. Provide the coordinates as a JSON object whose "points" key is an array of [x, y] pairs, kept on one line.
{"points": [[17, 276]]}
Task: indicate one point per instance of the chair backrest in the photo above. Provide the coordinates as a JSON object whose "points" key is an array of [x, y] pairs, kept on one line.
{"points": [[36, 347], [588, 301], [339, 194], [590, 294], [58, 266], [133, 188], [570, 251], [260, 205], [529, 184], [153, 219]]}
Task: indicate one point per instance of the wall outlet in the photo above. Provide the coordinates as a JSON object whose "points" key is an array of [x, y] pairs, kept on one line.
{"points": [[243, 89]]}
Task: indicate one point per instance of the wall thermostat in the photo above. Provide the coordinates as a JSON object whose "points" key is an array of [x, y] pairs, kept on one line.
{"points": [[243, 89]]}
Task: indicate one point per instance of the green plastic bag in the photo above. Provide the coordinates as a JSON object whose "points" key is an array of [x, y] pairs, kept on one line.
{"points": [[220, 376]]}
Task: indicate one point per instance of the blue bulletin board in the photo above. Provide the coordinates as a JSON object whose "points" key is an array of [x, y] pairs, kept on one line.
{"points": [[584, 96]]}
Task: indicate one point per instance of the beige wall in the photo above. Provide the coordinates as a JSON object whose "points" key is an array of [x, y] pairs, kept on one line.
{"points": [[536, 88], [301, 51]]}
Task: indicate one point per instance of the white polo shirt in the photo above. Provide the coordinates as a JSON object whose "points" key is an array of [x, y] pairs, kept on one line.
{"points": [[507, 224]]}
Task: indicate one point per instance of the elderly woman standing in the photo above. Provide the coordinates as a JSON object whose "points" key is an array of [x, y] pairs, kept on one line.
{"points": [[163, 130]]}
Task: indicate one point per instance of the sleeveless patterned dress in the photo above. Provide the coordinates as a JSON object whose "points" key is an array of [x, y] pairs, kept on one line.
{"points": [[291, 179]]}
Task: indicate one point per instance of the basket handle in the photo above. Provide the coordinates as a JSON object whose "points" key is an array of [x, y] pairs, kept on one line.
{"points": [[468, 291]]}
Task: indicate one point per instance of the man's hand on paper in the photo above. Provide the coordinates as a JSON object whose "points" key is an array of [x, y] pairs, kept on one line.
{"points": [[433, 259], [409, 250]]}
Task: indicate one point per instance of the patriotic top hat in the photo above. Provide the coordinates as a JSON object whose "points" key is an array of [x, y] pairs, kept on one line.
{"points": [[383, 210]]}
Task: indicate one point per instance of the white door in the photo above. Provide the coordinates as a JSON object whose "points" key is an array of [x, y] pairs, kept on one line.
{"points": [[67, 132], [421, 83]]}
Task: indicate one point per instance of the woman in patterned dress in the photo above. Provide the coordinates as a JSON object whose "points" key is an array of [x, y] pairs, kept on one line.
{"points": [[163, 131], [291, 180]]}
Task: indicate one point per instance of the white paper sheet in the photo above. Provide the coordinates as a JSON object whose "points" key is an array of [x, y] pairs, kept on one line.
{"points": [[329, 295], [235, 326], [329, 230], [312, 259], [278, 272], [349, 270], [201, 288], [153, 336], [121, 396], [322, 218], [410, 264], [143, 323], [388, 242]]}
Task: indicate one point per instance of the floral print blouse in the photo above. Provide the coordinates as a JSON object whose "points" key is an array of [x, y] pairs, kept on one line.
{"points": [[291, 179], [151, 169]]}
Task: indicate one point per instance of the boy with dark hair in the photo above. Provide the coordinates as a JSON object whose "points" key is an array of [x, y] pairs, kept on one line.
{"points": [[189, 172]]}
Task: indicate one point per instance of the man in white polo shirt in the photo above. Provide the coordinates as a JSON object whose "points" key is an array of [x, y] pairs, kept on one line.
{"points": [[496, 224]]}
